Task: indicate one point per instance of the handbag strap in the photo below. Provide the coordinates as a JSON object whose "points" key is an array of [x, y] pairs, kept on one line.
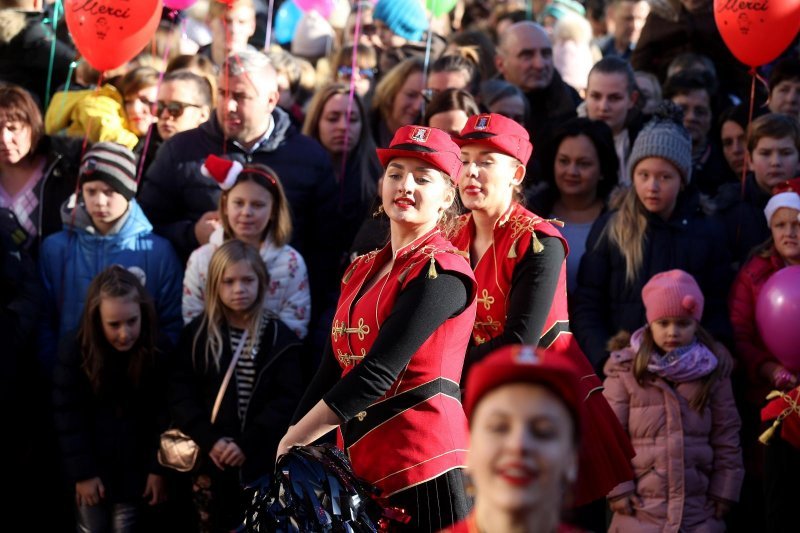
{"points": [[227, 378]]}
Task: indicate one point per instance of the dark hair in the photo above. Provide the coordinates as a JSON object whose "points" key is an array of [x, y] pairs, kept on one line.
{"points": [[688, 61], [773, 126], [493, 91], [785, 69], [450, 100], [280, 221], [115, 282], [616, 65], [202, 87], [458, 63], [17, 104], [600, 135], [686, 81], [483, 46], [738, 114]]}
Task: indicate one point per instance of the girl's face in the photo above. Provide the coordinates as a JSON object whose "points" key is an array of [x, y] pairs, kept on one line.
{"points": [[450, 121], [248, 208], [657, 183], [103, 203], [670, 333], [140, 109], [522, 452], [414, 193], [734, 145], [786, 233], [577, 167], [334, 125], [512, 107], [121, 317], [238, 288], [608, 99], [407, 102], [488, 179], [774, 161], [15, 141]]}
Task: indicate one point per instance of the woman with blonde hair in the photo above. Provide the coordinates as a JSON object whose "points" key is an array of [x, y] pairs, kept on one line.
{"points": [[234, 337], [398, 100]]}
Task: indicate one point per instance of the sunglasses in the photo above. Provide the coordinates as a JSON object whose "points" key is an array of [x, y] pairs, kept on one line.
{"points": [[175, 109], [346, 72]]}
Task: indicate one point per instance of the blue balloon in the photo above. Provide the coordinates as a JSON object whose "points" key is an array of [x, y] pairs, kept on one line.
{"points": [[286, 19]]}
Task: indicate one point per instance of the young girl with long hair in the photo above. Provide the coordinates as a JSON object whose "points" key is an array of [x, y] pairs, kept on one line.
{"points": [[265, 387], [673, 395], [110, 404], [253, 208], [660, 224]]}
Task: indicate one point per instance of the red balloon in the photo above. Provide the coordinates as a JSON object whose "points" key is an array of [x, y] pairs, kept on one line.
{"points": [[757, 31], [109, 33], [778, 316]]}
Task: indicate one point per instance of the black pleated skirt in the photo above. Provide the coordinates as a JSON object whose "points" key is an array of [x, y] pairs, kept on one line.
{"points": [[435, 504]]}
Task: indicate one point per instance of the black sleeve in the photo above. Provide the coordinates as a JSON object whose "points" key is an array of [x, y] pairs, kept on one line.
{"points": [[326, 377], [423, 306], [533, 287]]}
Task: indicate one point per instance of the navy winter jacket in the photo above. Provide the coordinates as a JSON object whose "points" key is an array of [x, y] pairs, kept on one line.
{"points": [[604, 303]]}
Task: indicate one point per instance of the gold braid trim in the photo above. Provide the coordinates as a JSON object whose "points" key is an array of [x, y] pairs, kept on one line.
{"points": [[521, 224], [794, 407]]}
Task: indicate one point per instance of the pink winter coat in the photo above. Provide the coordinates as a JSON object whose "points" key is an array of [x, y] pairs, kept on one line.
{"points": [[683, 458]]}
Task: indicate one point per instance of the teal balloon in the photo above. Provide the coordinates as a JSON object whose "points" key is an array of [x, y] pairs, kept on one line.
{"points": [[286, 19], [440, 7]]}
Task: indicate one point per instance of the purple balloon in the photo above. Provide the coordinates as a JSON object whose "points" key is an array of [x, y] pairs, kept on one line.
{"points": [[778, 316], [323, 7], [178, 4]]}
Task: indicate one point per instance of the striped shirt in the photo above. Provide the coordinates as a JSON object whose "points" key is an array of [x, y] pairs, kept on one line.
{"points": [[246, 366]]}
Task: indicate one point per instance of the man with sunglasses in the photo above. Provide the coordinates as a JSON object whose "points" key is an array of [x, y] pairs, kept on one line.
{"points": [[184, 102]]}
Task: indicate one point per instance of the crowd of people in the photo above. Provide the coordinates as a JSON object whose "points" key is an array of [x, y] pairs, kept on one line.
{"points": [[565, 210]]}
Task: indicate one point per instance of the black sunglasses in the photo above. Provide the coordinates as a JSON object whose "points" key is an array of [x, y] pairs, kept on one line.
{"points": [[175, 109]]}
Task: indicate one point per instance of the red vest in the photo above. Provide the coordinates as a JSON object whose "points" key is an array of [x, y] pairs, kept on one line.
{"points": [[606, 453], [417, 430]]}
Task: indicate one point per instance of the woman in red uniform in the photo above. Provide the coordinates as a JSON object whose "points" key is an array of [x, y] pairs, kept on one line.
{"points": [[389, 378], [519, 260]]}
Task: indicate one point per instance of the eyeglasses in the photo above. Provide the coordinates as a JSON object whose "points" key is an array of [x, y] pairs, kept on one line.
{"points": [[346, 72], [175, 109]]}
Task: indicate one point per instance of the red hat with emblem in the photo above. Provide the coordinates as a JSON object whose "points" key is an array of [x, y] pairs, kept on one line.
{"points": [[518, 363], [498, 132], [432, 145]]}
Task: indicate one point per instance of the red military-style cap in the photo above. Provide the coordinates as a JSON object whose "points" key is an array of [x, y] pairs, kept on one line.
{"points": [[499, 133], [524, 364], [431, 145]]}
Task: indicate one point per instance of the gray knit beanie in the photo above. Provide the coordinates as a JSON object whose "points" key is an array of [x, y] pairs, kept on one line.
{"points": [[665, 137], [111, 163]]}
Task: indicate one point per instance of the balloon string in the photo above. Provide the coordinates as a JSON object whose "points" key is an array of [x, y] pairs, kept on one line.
{"points": [[154, 108], [350, 99], [226, 79], [268, 39], [743, 181], [427, 58], [52, 52]]}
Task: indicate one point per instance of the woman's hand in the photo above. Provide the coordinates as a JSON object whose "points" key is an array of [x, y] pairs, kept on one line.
{"points": [[777, 376], [625, 504], [155, 489], [216, 452], [286, 443], [89, 492]]}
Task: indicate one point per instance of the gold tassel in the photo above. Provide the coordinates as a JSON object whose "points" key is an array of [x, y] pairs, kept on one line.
{"points": [[432, 269], [774, 394], [512, 253], [348, 275], [767, 435], [538, 247]]}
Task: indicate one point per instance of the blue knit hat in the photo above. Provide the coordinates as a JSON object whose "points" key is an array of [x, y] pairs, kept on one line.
{"points": [[406, 18]]}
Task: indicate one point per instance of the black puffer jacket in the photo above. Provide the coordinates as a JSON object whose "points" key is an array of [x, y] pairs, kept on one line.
{"points": [[605, 303], [194, 385], [113, 433]]}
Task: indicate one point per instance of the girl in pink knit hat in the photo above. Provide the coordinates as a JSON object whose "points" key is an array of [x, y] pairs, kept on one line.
{"points": [[672, 393]]}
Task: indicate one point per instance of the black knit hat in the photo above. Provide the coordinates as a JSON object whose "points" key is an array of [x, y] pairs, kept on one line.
{"points": [[111, 163]]}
